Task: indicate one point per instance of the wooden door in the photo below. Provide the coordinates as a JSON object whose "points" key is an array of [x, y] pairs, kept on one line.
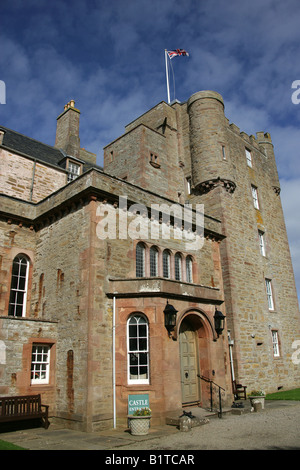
{"points": [[189, 364]]}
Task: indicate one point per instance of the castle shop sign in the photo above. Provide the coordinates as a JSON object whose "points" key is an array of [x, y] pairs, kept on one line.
{"points": [[136, 402]]}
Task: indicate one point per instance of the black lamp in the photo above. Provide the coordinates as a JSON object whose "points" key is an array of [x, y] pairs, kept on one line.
{"points": [[219, 321], [170, 317]]}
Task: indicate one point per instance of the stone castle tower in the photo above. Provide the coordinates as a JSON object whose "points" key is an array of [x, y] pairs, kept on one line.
{"points": [[190, 152]]}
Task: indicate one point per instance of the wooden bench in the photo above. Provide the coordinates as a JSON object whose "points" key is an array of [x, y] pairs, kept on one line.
{"points": [[239, 390], [23, 407]]}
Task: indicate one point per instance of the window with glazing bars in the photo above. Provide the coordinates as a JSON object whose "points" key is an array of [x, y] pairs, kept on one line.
{"points": [[166, 264], [275, 343], [269, 294], [40, 361], [153, 261], [140, 260], [255, 197], [248, 157], [138, 349], [178, 267], [189, 269], [261, 243], [18, 288]]}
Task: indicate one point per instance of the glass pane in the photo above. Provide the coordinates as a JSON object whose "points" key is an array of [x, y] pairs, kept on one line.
{"points": [[133, 344], [143, 330], [132, 331], [142, 344]]}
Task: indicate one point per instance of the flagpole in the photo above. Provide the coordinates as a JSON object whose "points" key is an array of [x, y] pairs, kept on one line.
{"points": [[167, 76]]}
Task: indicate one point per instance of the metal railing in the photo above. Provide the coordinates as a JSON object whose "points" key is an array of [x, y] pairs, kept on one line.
{"points": [[211, 383]]}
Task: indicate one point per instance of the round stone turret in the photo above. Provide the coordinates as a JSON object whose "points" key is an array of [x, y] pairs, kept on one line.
{"points": [[208, 128]]}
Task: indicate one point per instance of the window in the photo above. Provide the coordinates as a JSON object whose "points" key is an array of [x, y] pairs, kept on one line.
{"points": [[178, 267], [140, 260], [261, 243], [153, 261], [18, 288], [255, 197], [269, 294], [249, 158], [138, 350], [189, 185], [223, 152], [40, 361], [189, 269], [166, 264], [275, 343], [74, 171]]}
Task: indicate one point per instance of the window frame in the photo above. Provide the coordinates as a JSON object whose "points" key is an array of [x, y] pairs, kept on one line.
{"points": [[40, 364], [178, 269], [140, 260], [269, 290], [140, 320], [72, 175], [166, 262], [254, 193], [262, 245], [153, 261], [16, 290], [249, 158], [275, 343], [189, 269]]}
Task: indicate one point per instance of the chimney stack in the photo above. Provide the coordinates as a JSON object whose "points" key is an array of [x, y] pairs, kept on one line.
{"points": [[67, 130]]}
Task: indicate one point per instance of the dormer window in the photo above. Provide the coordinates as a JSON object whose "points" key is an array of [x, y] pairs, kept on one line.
{"points": [[74, 170]]}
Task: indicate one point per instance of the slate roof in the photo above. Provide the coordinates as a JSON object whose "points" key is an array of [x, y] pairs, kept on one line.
{"points": [[20, 143]]}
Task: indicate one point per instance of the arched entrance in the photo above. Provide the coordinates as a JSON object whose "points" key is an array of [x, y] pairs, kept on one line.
{"points": [[189, 362]]}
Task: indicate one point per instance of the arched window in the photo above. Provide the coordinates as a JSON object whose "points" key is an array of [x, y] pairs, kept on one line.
{"points": [[153, 261], [140, 260], [189, 269], [18, 287], [178, 263], [166, 264], [138, 350]]}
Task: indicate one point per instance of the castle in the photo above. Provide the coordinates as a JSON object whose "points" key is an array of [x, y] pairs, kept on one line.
{"points": [[110, 298]]}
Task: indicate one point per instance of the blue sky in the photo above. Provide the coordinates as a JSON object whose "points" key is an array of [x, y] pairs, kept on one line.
{"points": [[109, 57]]}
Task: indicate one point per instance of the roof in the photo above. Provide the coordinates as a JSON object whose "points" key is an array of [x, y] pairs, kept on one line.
{"points": [[19, 143]]}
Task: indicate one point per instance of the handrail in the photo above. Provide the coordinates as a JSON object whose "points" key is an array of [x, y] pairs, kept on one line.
{"points": [[211, 383]]}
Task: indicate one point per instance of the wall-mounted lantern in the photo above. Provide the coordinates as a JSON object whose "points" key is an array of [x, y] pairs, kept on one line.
{"points": [[219, 322], [170, 317]]}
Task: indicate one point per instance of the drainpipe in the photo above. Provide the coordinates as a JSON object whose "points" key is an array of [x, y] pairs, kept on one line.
{"points": [[114, 360]]}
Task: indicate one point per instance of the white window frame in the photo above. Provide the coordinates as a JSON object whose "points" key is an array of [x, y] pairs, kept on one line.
{"points": [[249, 158], [136, 351], [255, 196], [17, 292], [73, 171], [275, 343], [40, 364], [262, 243], [269, 294]]}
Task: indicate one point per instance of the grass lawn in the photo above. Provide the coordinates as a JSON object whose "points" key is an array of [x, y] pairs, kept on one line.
{"points": [[8, 446], [285, 395]]}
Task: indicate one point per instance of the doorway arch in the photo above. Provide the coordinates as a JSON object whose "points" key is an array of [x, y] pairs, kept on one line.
{"points": [[194, 339]]}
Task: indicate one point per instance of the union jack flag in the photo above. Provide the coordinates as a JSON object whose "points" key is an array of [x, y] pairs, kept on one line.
{"points": [[176, 52]]}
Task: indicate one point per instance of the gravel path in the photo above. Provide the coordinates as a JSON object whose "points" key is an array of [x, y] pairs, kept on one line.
{"points": [[276, 427]]}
